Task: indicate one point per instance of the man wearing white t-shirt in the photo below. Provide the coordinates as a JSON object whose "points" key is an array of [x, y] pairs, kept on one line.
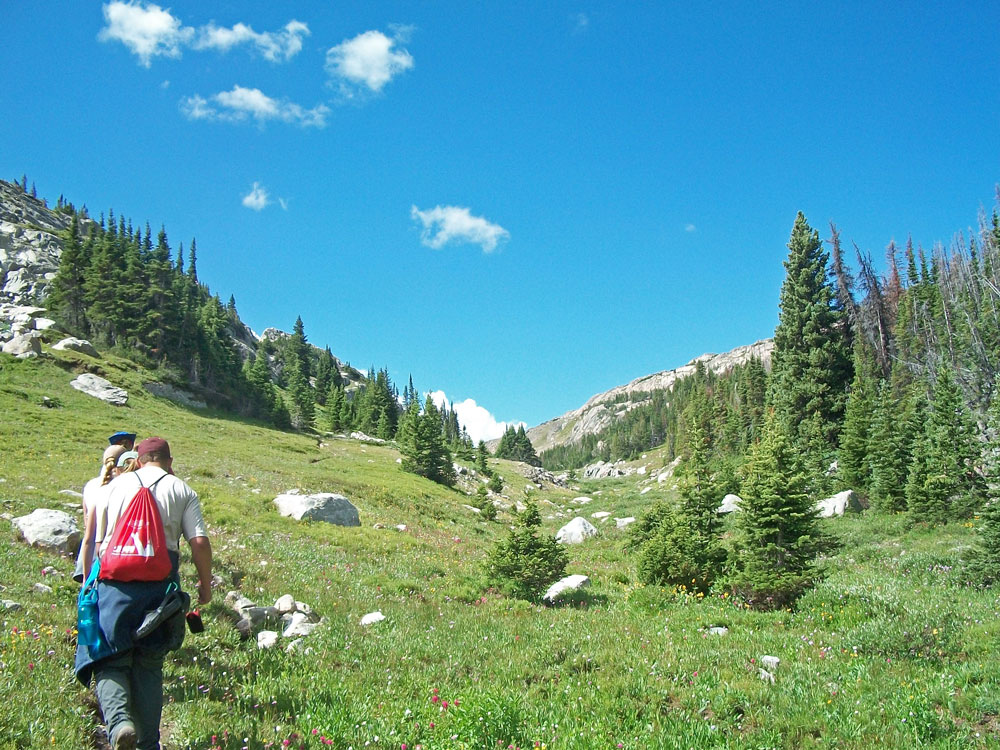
{"points": [[130, 681]]}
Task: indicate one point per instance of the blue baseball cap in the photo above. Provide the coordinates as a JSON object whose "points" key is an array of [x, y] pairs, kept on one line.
{"points": [[121, 437]]}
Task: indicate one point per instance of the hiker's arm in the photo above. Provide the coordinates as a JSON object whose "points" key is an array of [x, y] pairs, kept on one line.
{"points": [[201, 555]]}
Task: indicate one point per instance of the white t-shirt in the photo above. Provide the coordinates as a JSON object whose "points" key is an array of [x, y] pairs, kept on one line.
{"points": [[180, 509]]}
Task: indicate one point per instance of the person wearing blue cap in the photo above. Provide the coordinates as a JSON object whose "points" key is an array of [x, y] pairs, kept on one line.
{"points": [[123, 438]]}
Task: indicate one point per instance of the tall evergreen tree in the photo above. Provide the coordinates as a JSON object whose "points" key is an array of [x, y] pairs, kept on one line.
{"points": [[811, 366]]}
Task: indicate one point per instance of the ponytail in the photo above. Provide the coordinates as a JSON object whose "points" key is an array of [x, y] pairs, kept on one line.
{"points": [[106, 470]]}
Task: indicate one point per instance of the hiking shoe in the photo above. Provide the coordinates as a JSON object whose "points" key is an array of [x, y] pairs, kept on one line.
{"points": [[125, 737]]}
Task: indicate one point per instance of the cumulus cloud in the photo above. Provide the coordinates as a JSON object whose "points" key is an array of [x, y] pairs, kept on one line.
{"points": [[245, 103], [580, 22], [148, 31], [477, 421], [453, 224], [258, 198], [277, 46], [369, 60], [690, 228]]}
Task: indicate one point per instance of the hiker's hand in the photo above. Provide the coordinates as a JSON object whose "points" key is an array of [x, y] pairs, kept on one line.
{"points": [[204, 592]]}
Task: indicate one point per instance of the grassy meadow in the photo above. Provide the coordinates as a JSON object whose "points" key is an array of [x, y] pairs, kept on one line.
{"points": [[889, 650]]}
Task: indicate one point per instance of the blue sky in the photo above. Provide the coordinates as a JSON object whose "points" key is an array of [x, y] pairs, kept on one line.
{"points": [[518, 203]]}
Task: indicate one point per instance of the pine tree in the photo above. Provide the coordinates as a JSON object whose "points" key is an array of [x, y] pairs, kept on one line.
{"points": [[811, 365], [892, 434], [303, 406], [423, 447], [67, 296], [526, 562], [778, 537]]}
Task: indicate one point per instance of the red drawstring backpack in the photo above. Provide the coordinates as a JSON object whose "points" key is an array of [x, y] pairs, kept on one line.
{"points": [[138, 547]]}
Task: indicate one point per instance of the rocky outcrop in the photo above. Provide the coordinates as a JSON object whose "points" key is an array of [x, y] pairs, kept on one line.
{"points": [[81, 346], [30, 245], [322, 506], [100, 388], [602, 410]]}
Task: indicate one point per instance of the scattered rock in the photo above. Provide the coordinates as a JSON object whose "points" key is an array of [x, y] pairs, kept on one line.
{"points": [[766, 676], [41, 588], [770, 662], [324, 506], [178, 396], [399, 526], [367, 438], [621, 523], [285, 604], [645, 490], [100, 388], [298, 625], [371, 618], [266, 639], [730, 504], [76, 345], [9, 605], [718, 630], [581, 500], [24, 346], [600, 515], [838, 504], [576, 531], [569, 583], [71, 493], [50, 529]]}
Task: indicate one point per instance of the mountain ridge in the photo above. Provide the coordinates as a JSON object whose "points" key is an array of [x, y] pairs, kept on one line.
{"points": [[599, 410]]}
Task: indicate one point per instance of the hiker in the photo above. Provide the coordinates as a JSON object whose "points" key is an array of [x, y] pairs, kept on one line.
{"points": [[128, 461], [129, 681], [93, 492], [126, 439]]}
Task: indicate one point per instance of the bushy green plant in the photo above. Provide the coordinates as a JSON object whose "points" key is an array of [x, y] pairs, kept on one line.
{"points": [[526, 562], [672, 554], [496, 483]]}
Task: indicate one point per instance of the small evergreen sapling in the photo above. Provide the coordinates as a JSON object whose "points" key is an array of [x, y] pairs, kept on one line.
{"points": [[525, 563]]}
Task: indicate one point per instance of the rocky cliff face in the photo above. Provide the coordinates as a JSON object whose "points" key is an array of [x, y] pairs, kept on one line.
{"points": [[601, 410], [30, 246]]}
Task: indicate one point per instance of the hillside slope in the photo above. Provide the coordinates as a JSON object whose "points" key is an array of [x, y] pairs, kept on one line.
{"points": [[887, 636]]}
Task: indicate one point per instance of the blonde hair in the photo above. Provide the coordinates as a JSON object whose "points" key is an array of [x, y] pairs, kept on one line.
{"points": [[109, 461]]}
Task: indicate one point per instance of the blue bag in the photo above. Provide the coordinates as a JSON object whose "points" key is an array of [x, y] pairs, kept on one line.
{"points": [[88, 619]]}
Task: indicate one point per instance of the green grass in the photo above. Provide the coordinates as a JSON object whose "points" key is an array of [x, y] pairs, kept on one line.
{"points": [[889, 650]]}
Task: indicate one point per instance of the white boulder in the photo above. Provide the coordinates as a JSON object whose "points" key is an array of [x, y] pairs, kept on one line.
{"points": [[838, 504], [730, 504], [24, 346], [323, 506], [569, 583], [100, 388], [50, 529], [621, 523], [298, 626], [266, 639], [576, 531], [371, 618]]}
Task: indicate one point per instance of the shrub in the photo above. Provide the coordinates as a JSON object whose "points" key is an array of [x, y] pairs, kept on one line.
{"points": [[526, 562], [673, 555]]}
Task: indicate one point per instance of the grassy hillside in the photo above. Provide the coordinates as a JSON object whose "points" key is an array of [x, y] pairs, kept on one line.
{"points": [[888, 651]]}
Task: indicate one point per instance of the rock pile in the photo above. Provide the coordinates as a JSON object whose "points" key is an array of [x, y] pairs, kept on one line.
{"points": [[296, 619]]}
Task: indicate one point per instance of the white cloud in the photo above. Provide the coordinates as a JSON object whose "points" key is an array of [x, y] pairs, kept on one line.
{"points": [[690, 228], [283, 202], [277, 46], [477, 421], [147, 30], [371, 59], [453, 224], [242, 103], [580, 22], [258, 198]]}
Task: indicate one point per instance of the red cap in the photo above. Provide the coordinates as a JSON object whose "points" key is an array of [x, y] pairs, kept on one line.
{"points": [[153, 445]]}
